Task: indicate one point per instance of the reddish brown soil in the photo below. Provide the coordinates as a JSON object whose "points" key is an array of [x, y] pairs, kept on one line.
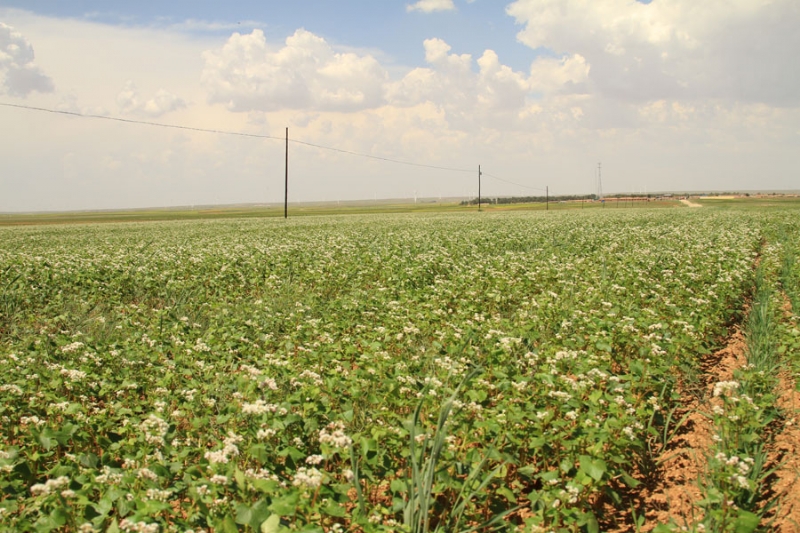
{"points": [[784, 454], [675, 497], [785, 457], [671, 492]]}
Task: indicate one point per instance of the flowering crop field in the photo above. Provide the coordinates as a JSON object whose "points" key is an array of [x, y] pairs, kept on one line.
{"points": [[364, 373]]}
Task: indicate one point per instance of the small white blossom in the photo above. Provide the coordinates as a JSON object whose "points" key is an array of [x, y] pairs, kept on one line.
{"points": [[307, 477], [334, 435]]}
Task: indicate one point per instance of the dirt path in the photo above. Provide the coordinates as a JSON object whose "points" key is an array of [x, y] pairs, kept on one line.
{"points": [[677, 492], [784, 456], [672, 491], [689, 203], [784, 453]]}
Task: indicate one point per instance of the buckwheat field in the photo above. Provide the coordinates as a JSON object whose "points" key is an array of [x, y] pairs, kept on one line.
{"points": [[407, 373]]}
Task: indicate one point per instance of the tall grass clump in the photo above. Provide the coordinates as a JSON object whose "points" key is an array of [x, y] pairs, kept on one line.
{"points": [[426, 464]]}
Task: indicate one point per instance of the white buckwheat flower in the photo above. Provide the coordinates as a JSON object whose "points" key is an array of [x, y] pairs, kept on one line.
{"points": [[307, 477], [334, 435]]}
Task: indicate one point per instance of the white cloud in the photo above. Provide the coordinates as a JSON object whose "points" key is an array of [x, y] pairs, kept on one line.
{"points": [[678, 49], [248, 74], [492, 92], [429, 6], [19, 74], [568, 74], [163, 102]]}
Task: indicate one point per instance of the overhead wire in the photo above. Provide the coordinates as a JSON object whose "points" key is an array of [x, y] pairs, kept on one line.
{"points": [[383, 158], [512, 182], [228, 132], [143, 122]]}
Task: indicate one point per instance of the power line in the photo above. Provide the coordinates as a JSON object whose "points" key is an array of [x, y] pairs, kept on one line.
{"points": [[513, 183], [143, 122], [236, 133], [382, 158]]}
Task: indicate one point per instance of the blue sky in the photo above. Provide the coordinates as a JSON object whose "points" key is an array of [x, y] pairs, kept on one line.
{"points": [[383, 25], [670, 95]]}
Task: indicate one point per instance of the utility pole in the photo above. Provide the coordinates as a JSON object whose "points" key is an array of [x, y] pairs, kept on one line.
{"points": [[479, 187], [547, 197], [599, 183], [286, 183]]}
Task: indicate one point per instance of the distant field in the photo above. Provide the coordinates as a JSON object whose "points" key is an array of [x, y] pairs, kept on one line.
{"points": [[757, 202], [142, 215]]}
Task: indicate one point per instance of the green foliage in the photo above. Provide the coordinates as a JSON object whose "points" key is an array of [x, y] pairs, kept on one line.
{"points": [[258, 375]]}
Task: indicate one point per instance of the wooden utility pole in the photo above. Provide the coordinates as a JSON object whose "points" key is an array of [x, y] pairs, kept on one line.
{"points": [[547, 197], [286, 183], [479, 187]]}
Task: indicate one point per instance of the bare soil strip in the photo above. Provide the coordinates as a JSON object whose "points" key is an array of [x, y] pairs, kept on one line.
{"points": [[671, 492], [690, 203], [682, 464], [784, 455]]}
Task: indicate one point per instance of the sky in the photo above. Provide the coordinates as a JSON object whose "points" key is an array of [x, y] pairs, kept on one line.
{"points": [[669, 95]]}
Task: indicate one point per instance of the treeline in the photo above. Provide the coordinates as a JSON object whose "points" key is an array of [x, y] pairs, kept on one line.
{"points": [[530, 199]]}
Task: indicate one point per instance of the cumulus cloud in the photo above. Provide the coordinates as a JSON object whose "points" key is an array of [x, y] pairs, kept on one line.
{"points": [[130, 102], [742, 50], [567, 74], [491, 92], [19, 75], [306, 73], [429, 6]]}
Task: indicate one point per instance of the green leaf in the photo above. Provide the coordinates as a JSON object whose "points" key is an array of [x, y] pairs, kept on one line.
{"points": [[398, 485], [334, 509], [603, 346], [46, 439], [591, 523], [229, 525], [536, 442], [595, 468], [271, 524], [89, 460], [103, 507], [507, 494], [285, 506], [258, 513], [243, 514], [746, 522], [59, 516], [630, 481]]}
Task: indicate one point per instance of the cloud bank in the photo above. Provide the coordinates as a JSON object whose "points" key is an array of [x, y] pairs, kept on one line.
{"points": [[740, 50], [19, 74]]}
